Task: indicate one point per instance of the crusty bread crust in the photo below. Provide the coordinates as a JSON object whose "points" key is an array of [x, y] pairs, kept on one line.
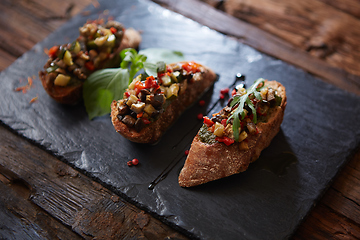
{"points": [[72, 95], [153, 132], [209, 162]]}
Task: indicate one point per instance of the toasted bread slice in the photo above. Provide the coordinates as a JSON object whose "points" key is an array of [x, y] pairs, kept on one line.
{"points": [[175, 96], [85, 56], [211, 161]]}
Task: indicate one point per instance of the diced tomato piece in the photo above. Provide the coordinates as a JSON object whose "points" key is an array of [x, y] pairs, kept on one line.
{"points": [[139, 115], [90, 65], [233, 92], [113, 30], [139, 86], [186, 152], [223, 122], [150, 82], [208, 122], [221, 96], [191, 67], [146, 121], [52, 51], [228, 141], [168, 69], [127, 94]]}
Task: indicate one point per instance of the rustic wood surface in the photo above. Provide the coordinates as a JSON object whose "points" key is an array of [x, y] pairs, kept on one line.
{"points": [[44, 198]]}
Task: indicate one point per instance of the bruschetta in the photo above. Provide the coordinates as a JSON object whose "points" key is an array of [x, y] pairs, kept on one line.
{"points": [[234, 137], [97, 47], [151, 105]]}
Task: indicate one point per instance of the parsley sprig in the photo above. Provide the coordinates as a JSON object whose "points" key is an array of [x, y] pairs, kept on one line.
{"points": [[241, 101]]}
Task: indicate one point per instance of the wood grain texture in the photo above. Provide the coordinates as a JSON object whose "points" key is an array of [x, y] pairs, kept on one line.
{"points": [[41, 18], [265, 42], [49, 187], [21, 219], [324, 31]]}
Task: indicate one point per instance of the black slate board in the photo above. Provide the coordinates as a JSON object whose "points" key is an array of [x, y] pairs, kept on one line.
{"points": [[268, 201]]}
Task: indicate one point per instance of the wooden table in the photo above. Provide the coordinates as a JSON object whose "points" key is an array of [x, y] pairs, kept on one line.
{"points": [[42, 197]]}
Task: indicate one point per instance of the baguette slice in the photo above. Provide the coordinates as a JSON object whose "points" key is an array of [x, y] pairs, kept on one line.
{"points": [[90, 56], [208, 162], [178, 96]]}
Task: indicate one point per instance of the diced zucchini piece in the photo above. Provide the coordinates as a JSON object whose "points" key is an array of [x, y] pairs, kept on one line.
{"points": [[219, 129], [67, 58], [132, 99], [62, 80], [51, 69], [242, 136], [138, 107], [75, 47], [166, 80], [172, 90], [149, 109], [111, 40], [174, 76], [100, 40]]}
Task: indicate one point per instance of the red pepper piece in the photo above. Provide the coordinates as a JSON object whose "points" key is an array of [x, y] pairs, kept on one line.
{"points": [[168, 69], [191, 67], [186, 152], [52, 51], [208, 122], [233, 92], [151, 82], [113, 30], [90, 65], [146, 121], [228, 141], [223, 122]]}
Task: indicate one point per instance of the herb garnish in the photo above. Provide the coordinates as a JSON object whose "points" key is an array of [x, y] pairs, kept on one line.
{"points": [[103, 86], [240, 109]]}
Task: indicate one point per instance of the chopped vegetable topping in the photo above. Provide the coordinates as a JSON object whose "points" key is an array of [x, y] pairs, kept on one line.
{"points": [[148, 96], [91, 50], [238, 119]]}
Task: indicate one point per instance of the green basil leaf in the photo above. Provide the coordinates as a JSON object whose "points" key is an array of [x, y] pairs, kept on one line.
{"points": [[101, 88], [150, 69], [155, 55]]}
